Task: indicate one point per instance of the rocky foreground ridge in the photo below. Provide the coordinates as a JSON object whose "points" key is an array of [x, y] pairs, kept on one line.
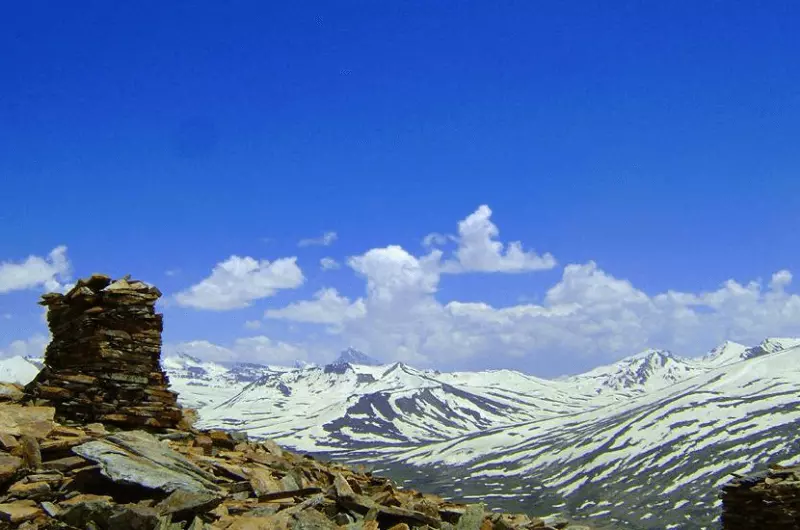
{"points": [[68, 461], [91, 476]]}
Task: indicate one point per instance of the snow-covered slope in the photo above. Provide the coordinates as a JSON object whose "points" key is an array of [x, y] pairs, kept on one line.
{"points": [[664, 453], [205, 383], [356, 406], [17, 369]]}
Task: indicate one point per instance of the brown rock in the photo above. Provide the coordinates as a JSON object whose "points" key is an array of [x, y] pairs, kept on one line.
{"points": [[262, 482], [33, 421], [30, 451], [65, 464], [19, 511], [182, 503], [29, 490], [9, 465], [10, 392], [273, 522], [222, 439], [95, 429], [205, 443], [8, 442]]}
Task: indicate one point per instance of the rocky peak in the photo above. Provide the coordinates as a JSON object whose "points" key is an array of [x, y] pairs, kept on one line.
{"points": [[353, 356], [770, 345]]}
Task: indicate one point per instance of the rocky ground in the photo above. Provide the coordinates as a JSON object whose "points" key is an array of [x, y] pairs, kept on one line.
{"points": [[98, 477]]}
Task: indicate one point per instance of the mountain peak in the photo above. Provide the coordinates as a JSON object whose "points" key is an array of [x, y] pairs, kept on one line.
{"points": [[354, 356], [770, 345], [649, 353]]}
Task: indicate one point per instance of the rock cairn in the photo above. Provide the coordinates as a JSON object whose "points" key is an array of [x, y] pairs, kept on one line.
{"points": [[770, 499], [103, 363]]}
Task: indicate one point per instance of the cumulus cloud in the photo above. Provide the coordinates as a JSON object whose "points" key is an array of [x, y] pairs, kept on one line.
{"points": [[324, 240], [435, 239], [260, 349], [392, 272], [479, 251], [587, 313], [327, 307], [238, 281], [36, 272], [328, 264], [252, 324], [30, 347]]}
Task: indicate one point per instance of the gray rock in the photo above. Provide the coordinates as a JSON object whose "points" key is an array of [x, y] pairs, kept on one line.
{"points": [[81, 514], [138, 458], [472, 518], [183, 504], [312, 520], [136, 517]]}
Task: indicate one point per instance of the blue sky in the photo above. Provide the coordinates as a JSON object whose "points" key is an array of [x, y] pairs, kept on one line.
{"points": [[651, 146]]}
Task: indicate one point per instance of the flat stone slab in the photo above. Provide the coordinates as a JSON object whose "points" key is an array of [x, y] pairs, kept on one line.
{"points": [[27, 421], [138, 458]]}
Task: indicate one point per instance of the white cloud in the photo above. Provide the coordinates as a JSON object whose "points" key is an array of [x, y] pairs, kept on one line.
{"points": [[172, 272], [202, 349], [252, 324], [478, 251], [324, 240], [36, 271], [392, 272], [33, 347], [328, 264], [435, 239], [260, 349], [327, 307], [587, 313], [587, 316], [238, 281]]}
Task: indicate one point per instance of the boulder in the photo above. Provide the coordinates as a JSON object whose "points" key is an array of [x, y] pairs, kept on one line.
{"points": [[139, 458]]}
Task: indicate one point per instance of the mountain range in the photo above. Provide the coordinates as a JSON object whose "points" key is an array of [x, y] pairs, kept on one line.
{"points": [[645, 442]]}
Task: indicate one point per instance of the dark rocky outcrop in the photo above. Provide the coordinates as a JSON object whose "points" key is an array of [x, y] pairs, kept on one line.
{"points": [[103, 363], [770, 499]]}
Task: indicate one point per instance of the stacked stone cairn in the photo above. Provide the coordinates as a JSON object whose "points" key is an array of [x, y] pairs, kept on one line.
{"points": [[103, 363], [769, 499]]}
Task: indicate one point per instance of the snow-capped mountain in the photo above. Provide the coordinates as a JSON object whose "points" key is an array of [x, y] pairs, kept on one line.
{"points": [[655, 460], [644, 442], [17, 369], [351, 406], [353, 356], [205, 383], [647, 371]]}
